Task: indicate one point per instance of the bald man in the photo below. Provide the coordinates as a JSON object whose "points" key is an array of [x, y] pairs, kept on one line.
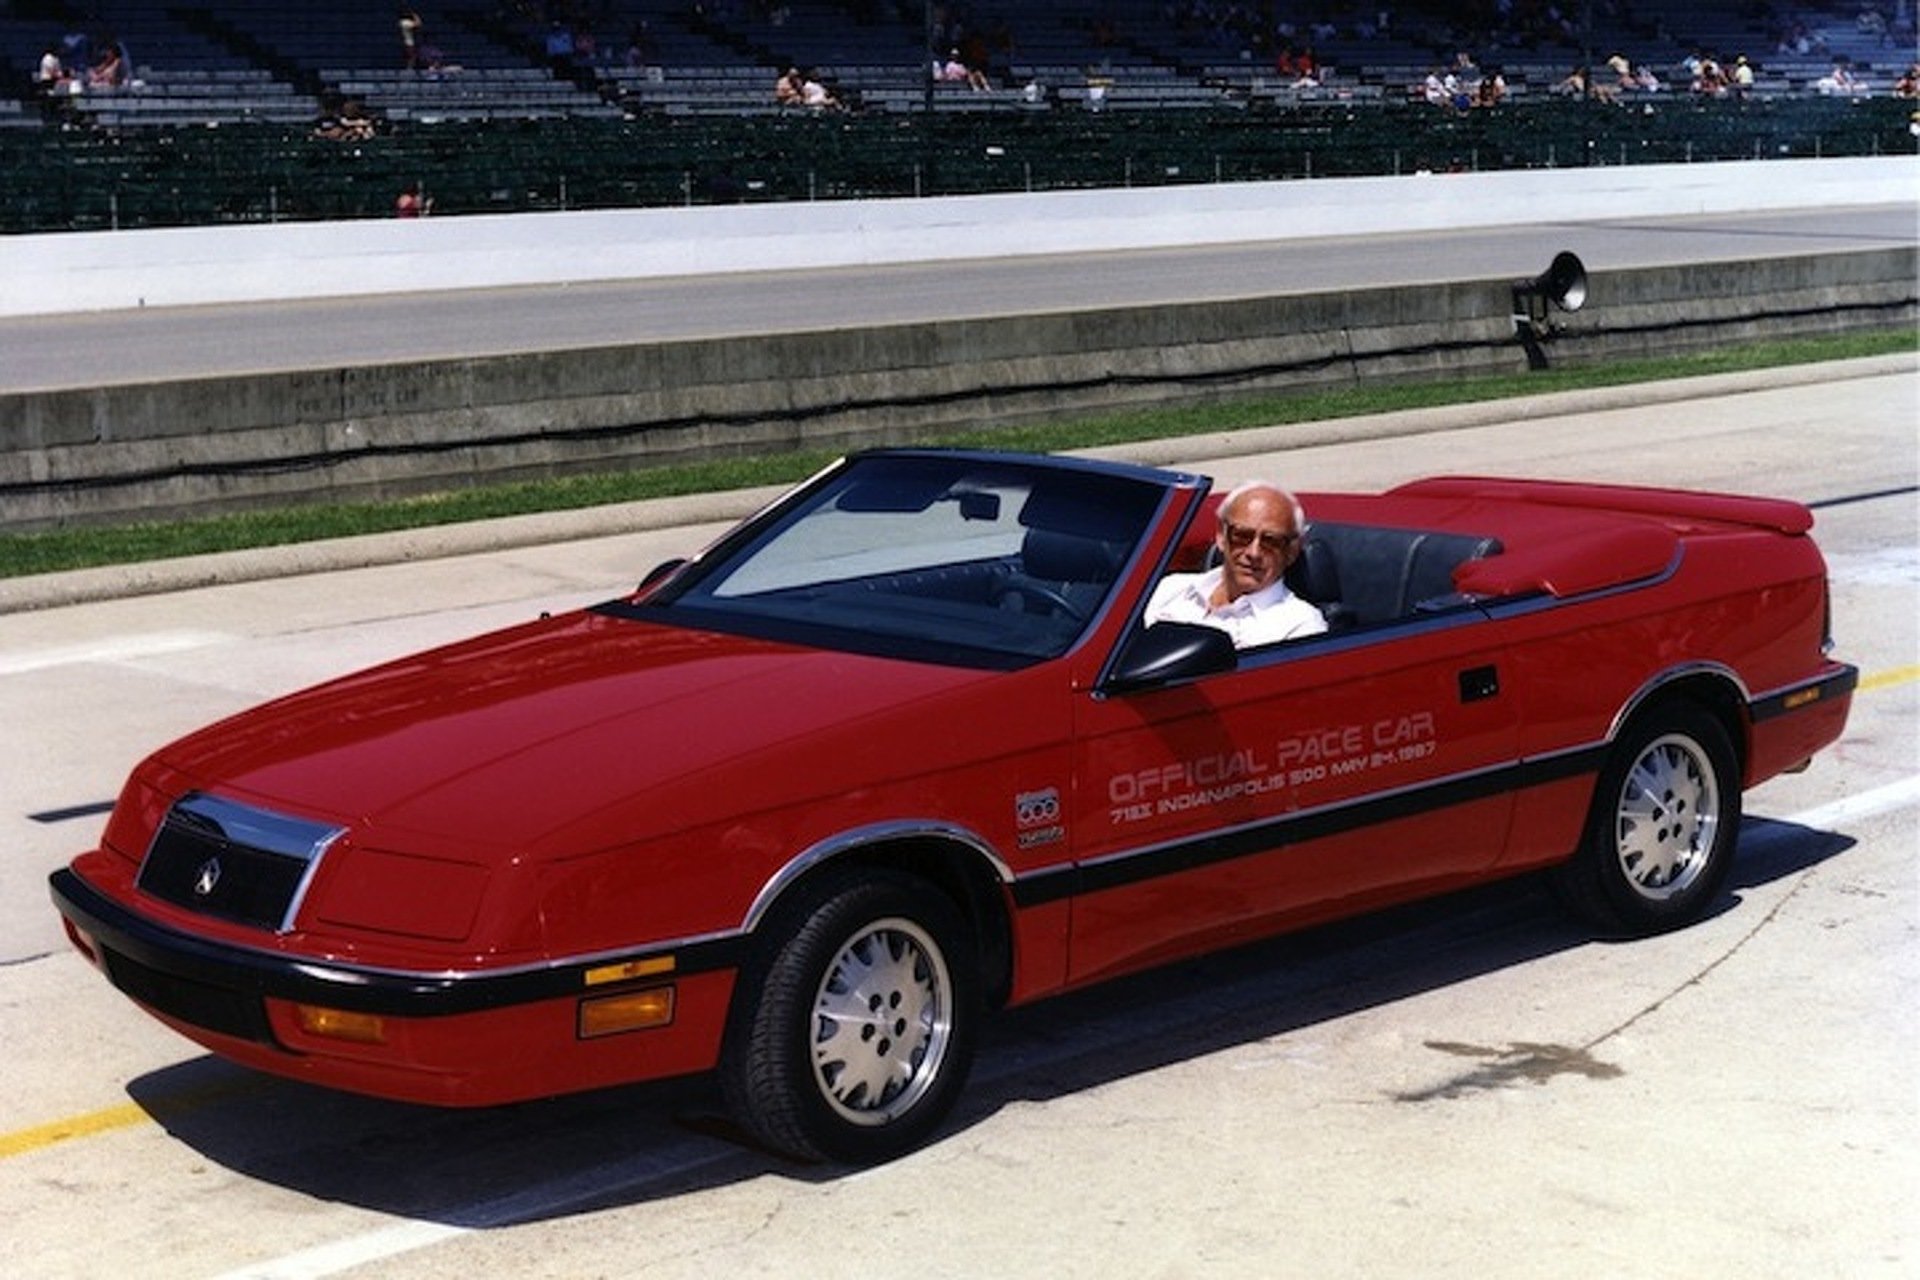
{"points": [[1259, 536]]}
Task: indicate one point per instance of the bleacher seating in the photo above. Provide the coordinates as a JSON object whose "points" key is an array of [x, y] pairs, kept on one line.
{"points": [[472, 93], [674, 103]]}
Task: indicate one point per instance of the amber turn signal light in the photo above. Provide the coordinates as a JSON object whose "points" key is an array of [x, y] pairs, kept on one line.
{"points": [[628, 1011], [339, 1024]]}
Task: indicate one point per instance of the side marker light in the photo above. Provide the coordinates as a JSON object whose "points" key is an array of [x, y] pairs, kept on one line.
{"points": [[628, 970]]}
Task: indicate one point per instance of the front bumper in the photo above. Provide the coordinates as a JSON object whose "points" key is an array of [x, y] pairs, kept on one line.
{"points": [[455, 1038]]}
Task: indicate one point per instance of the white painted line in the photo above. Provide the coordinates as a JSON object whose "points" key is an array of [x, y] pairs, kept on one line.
{"points": [[117, 649], [345, 1255], [1867, 804]]}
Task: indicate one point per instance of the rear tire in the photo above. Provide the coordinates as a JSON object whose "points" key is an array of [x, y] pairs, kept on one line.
{"points": [[854, 1027], [1666, 815]]}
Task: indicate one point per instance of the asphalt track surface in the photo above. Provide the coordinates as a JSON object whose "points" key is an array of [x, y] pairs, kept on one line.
{"points": [[97, 349]]}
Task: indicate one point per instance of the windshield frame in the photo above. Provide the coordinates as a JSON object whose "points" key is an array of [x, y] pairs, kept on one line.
{"points": [[1114, 507]]}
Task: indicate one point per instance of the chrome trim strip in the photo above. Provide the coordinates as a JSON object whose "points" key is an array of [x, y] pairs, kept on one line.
{"points": [[1671, 675], [858, 838]]}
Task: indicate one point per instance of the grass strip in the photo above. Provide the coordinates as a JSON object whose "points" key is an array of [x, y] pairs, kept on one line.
{"points": [[85, 547]]}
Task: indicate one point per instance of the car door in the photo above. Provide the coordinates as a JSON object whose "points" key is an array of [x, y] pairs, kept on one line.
{"points": [[1317, 778]]}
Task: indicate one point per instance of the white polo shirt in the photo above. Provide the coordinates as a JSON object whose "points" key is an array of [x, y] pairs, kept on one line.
{"points": [[1260, 618]]}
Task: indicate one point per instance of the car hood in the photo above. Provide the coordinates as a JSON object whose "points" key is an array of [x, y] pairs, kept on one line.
{"points": [[498, 742]]}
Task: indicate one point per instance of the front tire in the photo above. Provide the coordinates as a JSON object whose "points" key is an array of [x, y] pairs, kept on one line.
{"points": [[1666, 815], [854, 1027]]}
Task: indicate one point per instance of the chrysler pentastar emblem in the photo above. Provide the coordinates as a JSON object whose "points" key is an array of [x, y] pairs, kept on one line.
{"points": [[207, 877]]}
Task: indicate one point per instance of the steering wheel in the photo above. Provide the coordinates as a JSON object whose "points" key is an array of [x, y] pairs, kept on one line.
{"points": [[1027, 589]]}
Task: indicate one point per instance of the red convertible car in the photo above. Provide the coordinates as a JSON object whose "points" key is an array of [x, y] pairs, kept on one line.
{"points": [[899, 750]]}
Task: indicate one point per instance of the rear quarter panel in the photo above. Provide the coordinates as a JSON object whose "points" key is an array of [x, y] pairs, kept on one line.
{"points": [[1744, 607]]}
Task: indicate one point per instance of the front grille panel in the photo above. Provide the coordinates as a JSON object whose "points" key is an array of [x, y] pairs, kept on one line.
{"points": [[236, 862], [198, 1004]]}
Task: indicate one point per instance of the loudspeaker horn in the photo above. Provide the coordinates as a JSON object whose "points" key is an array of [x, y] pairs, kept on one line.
{"points": [[1563, 285]]}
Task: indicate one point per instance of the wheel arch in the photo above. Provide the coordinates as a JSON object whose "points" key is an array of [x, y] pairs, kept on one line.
{"points": [[1712, 686], [957, 862]]}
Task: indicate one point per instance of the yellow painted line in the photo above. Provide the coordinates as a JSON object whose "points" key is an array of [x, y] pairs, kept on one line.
{"points": [[127, 1115], [54, 1132]]}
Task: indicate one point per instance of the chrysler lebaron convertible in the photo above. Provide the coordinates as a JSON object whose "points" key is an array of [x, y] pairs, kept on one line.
{"points": [[899, 750]]}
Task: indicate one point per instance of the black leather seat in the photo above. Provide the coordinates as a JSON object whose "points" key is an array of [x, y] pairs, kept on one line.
{"points": [[1314, 576]]}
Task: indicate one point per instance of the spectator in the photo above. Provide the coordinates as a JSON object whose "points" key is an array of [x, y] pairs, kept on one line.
{"points": [[412, 203], [50, 79], [1710, 79], [1740, 79], [327, 127], [1840, 82], [1307, 71], [412, 34], [1573, 85], [815, 95], [355, 124], [110, 71], [790, 89], [1908, 85], [953, 70]]}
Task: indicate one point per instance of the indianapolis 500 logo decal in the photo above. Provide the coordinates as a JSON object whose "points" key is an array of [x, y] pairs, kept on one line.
{"points": [[1037, 816]]}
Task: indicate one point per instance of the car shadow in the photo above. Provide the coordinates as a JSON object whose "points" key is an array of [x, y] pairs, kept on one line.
{"points": [[553, 1158]]}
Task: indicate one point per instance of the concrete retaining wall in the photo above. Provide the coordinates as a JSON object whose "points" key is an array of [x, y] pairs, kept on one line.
{"points": [[229, 443]]}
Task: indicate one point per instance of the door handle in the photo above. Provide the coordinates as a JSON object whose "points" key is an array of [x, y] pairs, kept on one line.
{"points": [[1479, 683]]}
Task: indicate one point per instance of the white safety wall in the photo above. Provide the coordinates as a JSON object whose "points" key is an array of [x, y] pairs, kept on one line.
{"points": [[90, 271]]}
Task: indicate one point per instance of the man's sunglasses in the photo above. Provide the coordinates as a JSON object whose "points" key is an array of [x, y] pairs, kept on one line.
{"points": [[1240, 537]]}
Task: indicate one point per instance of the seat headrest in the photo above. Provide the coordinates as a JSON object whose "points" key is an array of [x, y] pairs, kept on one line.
{"points": [[1052, 556], [1314, 576]]}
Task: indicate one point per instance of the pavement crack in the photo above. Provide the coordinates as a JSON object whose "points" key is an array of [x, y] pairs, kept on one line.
{"points": [[1701, 975]]}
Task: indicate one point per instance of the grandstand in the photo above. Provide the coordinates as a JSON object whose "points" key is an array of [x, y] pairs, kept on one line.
{"points": [[505, 105]]}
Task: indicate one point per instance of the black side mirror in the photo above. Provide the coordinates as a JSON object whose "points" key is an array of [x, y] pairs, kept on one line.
{"points": [[1169, 653]]}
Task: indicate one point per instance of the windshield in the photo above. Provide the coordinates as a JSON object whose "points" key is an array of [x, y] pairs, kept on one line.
{"points": [[954, 558]]}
